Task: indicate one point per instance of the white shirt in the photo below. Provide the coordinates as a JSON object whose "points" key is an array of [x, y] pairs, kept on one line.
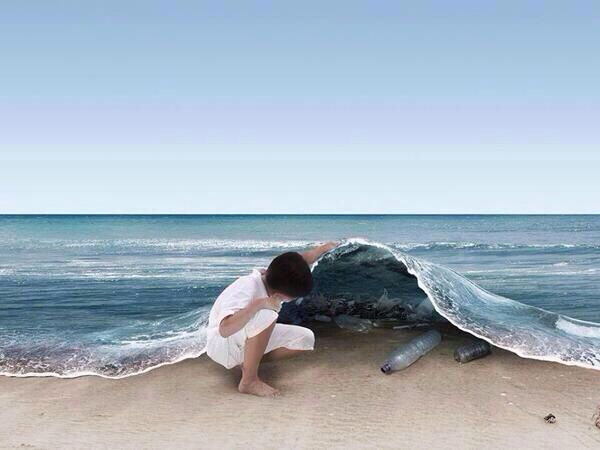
{"points": [[237, 296]]}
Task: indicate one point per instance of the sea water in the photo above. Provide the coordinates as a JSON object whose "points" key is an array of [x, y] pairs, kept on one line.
{"points": [[119, 295]]}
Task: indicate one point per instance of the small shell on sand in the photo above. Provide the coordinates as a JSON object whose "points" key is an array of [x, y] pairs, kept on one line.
{"points": [[596, 417]]}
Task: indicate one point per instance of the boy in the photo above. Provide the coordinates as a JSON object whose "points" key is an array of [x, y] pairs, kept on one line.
{"points": [[241, 325]]}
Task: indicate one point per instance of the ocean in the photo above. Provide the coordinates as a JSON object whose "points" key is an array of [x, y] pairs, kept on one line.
{"points": [[117, 295]]}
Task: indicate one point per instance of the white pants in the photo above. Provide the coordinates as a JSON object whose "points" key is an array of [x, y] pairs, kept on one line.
{"points": [[229, 352]]}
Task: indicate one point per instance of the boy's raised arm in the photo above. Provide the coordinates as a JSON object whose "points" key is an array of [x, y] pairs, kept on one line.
{"points": [[311, 255]]}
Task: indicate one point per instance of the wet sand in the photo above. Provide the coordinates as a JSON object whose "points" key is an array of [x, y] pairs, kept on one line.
{"points": [[334, 397]]}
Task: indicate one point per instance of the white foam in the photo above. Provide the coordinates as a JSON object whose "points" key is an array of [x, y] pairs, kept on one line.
{"points": [[186, 244], [578, 327], [458, 245]]}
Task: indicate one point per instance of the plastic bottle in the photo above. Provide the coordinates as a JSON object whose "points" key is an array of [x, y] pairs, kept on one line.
{"points": [[322, 318], [353, 323], [474, 350], [385, 304], [407, 354]]}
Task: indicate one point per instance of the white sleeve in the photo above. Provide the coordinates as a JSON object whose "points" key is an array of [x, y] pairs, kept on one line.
{"points": [[237, 297]]}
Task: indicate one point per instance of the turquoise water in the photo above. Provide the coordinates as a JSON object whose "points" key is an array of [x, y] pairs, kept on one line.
{"points": [[117, 295]]}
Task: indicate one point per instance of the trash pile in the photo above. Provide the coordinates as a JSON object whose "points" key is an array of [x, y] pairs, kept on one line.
{"points": [[359, 312], [362, 313]]}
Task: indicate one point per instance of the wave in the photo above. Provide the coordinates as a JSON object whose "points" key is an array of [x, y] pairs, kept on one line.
{"points": [[169, 245], [358, 277], [255, 245], [442, 245], [364, 278], [578, 328], [529, 271], [116, 353]]}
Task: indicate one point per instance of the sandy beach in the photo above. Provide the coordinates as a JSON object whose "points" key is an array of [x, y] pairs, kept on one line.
{"points": [[334, 397]]}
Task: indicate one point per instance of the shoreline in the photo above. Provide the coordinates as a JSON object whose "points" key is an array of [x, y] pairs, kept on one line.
{"points": [[333, 397]]}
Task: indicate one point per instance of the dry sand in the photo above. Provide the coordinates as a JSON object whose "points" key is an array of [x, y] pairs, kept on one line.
{"points": [[334, 397]]}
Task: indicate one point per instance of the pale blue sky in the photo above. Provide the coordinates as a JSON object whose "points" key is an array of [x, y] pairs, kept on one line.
{"points": [[338, 106]]}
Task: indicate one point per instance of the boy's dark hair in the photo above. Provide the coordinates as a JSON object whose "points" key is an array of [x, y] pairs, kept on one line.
{"points": [[289, 274]]}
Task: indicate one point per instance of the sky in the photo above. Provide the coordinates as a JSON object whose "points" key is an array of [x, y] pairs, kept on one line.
{"points": [[299, 106]]}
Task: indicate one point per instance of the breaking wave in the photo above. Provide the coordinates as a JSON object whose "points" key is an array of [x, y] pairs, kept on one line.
{"points": [[356, 272]]}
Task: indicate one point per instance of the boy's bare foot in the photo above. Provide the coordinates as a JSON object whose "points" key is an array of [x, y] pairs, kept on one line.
{"points": [[257, 387]]}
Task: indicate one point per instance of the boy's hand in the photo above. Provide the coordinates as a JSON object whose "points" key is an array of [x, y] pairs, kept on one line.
{"points": [[311, 255], [330, 246]]}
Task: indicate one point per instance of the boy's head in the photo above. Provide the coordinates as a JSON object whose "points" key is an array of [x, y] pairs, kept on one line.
{"points": [[290, 275]]}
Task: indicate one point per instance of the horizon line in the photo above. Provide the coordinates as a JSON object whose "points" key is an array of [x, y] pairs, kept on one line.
{"points": [[293, 214]]}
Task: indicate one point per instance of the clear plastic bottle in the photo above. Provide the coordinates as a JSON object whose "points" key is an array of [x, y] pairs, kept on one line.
{"points": [[474, 350], [353, 323], [407, 354]]}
